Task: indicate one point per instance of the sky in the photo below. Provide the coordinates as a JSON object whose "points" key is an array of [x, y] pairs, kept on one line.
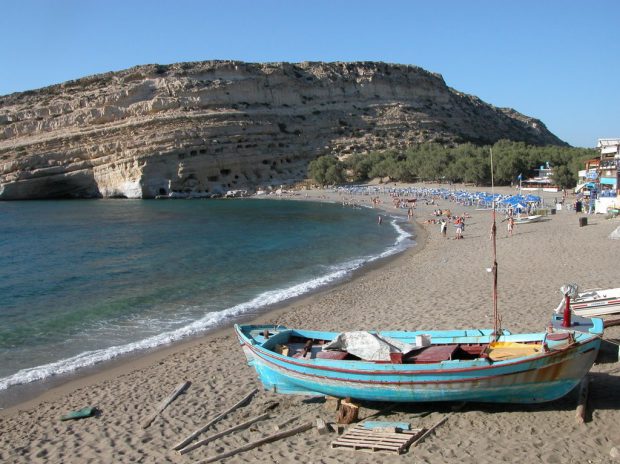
{"points": [[555, 60]]}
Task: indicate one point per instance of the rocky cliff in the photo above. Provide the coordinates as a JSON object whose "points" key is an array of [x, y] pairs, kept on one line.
{"points": [[209, 127]]}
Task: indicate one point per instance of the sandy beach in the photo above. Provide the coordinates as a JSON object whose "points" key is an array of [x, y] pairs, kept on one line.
{"points": [[441, 283]]}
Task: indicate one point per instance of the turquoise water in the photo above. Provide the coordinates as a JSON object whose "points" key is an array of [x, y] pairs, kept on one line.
{"points": [[82, 282]]}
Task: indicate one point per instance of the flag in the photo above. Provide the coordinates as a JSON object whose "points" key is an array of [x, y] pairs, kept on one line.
{"points": [[519, 177]]}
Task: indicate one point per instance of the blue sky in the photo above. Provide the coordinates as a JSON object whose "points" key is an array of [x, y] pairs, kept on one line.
{"points": [[556, 60]]}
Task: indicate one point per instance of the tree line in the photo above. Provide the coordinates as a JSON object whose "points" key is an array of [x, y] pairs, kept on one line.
{"points": [[467, 163]]}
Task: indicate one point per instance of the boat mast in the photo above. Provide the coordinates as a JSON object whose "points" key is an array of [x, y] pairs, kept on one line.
{"points": [[496, 319]]}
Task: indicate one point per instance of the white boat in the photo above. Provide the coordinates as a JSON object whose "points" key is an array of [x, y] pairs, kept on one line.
{"points": [[593, 303], [527, 219]]}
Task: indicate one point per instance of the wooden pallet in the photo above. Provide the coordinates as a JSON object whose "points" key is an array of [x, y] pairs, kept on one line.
{"points": [[361, 439]]}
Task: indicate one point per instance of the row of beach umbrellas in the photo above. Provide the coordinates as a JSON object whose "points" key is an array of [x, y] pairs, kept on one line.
{"points": [[474, 198]]}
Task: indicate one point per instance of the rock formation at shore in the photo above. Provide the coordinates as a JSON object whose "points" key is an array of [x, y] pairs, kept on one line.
{"points": [[209, 127]]}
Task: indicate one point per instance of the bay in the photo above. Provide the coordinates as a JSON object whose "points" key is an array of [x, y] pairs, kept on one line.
{"points": [[82, 282]]}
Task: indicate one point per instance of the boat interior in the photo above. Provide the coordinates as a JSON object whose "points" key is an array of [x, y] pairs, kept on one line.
{"points": [[294, 344], [299, 347]]}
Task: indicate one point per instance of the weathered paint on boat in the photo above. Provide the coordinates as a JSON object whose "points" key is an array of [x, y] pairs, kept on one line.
{"points": [[528, 379]]}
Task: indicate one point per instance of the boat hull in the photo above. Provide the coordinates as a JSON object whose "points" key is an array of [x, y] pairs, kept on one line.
{"points": [[597, 308], [594, 303], [527, 219], [542, 378]]}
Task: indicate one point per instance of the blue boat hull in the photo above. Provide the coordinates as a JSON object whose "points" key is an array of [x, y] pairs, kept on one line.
{"points": [[532, 379]]}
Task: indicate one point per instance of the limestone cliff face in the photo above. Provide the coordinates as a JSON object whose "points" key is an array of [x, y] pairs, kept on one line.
{"points": [[213, 126]]}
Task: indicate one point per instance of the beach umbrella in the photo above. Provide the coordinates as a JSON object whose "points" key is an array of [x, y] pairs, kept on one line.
{"points": [[513, 200]]}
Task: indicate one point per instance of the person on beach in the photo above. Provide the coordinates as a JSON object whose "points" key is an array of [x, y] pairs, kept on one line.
{"points": [[459, 229], [511, 225], [443, 227]]}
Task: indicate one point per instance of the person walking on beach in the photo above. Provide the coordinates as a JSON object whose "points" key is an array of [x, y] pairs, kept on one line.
{"points": [[459, 229], [511, 225], [443, 227]]}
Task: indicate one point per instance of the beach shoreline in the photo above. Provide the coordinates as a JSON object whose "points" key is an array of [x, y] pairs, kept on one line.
{"points": [[29, 395], [440, 283]]}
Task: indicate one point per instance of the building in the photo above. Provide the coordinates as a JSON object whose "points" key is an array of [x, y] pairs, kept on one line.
{"points": [[601, 176], [588, 176], [609, 163], [542, 180]]}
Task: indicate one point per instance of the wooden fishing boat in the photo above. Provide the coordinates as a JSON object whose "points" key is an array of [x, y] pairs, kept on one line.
{"points": [[490, 365], [457, 365], [596, 302]]}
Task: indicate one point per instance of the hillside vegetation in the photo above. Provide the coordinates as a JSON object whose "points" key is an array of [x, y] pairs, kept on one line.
{"points": [[466, 163]]}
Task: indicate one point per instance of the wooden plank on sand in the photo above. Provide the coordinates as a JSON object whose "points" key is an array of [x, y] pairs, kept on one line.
{"points": [[286, 422], [164, 404], [245, 424], [262, 441], [429, 431], [237, 405]]}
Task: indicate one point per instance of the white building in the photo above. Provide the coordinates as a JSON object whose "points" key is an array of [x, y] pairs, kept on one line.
{"points": [[542, 180], [608, 185]]}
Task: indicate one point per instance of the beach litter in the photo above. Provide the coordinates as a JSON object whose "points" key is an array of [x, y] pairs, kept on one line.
{"points": [[429, 431], [243, 425], [262, 441], [164, 404], [379, 436], [237, 405], [88, 411]]}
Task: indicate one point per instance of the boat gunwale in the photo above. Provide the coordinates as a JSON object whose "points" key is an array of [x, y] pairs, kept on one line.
{"points": [[410, 369]]}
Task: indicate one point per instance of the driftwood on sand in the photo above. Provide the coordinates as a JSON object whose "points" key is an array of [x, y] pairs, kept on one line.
{"points": [[429, 431], [243, 425], [286, 422], [262, 441], [164, 404], [237, 405]]}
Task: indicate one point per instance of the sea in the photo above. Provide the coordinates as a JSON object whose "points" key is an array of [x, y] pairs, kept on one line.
{"points": [[85, 281]]}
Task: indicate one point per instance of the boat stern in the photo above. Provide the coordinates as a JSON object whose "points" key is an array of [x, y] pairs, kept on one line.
{"points": [[590, 325]]}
